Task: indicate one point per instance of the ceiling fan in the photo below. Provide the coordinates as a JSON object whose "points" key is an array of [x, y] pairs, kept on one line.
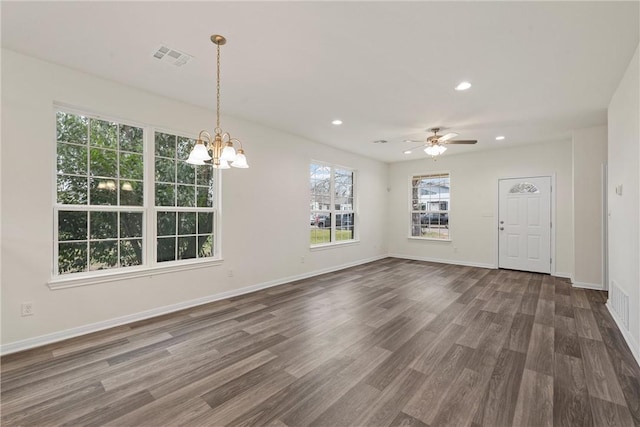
{"points": [[436, 144]]}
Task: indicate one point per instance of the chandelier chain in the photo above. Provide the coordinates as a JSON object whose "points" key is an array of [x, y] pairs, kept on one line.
{"points": [[218, 88]]}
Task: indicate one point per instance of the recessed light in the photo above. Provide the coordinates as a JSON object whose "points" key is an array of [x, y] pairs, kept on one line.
{"points": [[499, 138], [336, 122], [380, 141], [463, 86], [407, 152]]}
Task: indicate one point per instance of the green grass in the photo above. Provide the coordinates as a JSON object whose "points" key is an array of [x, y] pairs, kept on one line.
{"points": [[435, 234], [323, 235]]}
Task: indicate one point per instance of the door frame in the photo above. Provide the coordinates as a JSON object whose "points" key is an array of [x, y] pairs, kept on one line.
{"points": [[552, 176]]}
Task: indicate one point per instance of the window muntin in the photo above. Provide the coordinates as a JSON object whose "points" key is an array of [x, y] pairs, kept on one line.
{"points": [[430, 204], [101, 219], [185, 200], [332, 213]]}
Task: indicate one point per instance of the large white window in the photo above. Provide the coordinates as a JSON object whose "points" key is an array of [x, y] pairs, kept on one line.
{"points": [[430, 202], [332, 204], [109, 217]]}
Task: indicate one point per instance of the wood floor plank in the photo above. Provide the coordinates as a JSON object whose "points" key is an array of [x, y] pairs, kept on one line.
{"points": [[306, 411], [392, 399], [570, 396], [281, 403], [600, 376], [540, 351], [426, 401], [404, 420], [461, 400], [499, 402], [384, 374], [535, 400], [608, 414], [520, 332], [545, 312], [392, 342]]}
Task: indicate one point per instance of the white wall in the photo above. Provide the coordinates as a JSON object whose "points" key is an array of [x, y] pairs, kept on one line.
{"points": [[258, 251], [589, 156], [30, 87], [474, 202], [624, 210]]}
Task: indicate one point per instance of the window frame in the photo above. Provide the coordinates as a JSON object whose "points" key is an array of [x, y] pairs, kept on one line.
{"points": [[149, 265], [333, 212], [413, 211]]}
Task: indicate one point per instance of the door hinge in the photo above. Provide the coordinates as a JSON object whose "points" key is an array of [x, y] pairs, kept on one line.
{"points": [[551, 189], [550, 260], [551, 225]]}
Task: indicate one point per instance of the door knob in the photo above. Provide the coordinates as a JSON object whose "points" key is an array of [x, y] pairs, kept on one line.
{"points": [[501, 228]]}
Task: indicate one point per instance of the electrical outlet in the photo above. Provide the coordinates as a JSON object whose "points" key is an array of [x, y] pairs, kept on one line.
{"points": [[26, 309], [230, 273], [301, 260]]}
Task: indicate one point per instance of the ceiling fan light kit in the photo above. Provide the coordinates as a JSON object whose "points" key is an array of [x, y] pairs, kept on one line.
{"points": [[435, 144]]}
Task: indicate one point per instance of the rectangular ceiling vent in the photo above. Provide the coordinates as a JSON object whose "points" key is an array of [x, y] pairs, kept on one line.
{"points": [[172, 56]]}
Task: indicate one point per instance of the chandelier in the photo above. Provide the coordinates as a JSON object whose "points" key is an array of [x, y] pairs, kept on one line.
{"points": [[223, 153]]}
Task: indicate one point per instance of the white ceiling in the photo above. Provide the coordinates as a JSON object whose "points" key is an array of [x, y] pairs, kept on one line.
{"points": [[387, 69]]}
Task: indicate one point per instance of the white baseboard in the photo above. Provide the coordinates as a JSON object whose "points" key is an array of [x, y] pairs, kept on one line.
{"points": [[443, 261], [631, 342], [585, 285], [563, 275], [41, 340]]}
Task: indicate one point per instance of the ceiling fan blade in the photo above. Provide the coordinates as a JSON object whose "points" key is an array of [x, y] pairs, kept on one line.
{"points": [[414, 140], [423, 145], [447, 136], [463, 141]]}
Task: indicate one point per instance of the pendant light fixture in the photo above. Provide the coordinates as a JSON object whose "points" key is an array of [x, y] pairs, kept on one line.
{"points": [[223, 153]]}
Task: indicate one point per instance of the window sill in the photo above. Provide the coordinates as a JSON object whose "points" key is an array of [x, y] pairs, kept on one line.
{"points": [[63, 282], [325, 246], [431, 239]]}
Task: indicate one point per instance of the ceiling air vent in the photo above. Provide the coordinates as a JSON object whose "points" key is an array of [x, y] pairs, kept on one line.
{"points": [[172, 56]]}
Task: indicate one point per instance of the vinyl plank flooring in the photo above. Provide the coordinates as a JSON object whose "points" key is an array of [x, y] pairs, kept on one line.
{"points": [[535, 400], [389, 343], [570, 396], [586, 324], [608, 414], [404, 420], [460, 401], [426, 401], [601, 378], [499, 402], [388, 405], [358, 401], [540, 352], [520, 332]]}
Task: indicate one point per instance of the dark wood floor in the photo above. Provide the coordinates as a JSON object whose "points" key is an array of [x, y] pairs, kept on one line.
{"points": [[390, 343]]}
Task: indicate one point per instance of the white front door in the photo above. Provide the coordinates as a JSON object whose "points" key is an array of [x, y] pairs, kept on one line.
{"points": [[524, 224]]}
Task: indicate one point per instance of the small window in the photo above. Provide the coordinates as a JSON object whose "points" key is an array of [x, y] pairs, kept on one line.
{"points": [[430, 205], [332, 212], [524, 187]]}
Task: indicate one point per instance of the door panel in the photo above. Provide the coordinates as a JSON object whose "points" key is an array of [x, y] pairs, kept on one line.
{"points": [[525, 224], [513, 246]]}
